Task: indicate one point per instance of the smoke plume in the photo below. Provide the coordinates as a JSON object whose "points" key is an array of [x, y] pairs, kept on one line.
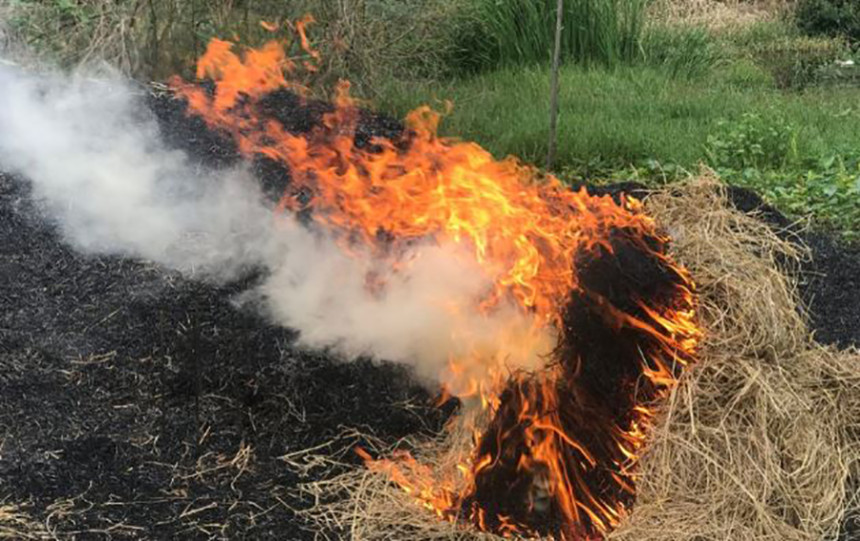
{"points": [[97, 163]]}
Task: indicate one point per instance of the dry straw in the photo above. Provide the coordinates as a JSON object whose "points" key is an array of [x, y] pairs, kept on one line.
{"points": [[17, 523], [756, 443], [718, 14]]}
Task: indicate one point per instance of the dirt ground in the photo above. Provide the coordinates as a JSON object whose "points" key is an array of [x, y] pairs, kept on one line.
{"points": [[135, 403]]}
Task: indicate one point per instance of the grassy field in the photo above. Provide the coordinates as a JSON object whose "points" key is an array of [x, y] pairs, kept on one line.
{"points": [[764, 106], [629, 115]]}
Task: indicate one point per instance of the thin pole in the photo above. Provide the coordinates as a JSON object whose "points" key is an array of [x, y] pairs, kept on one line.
{"points": [[553, 97]]}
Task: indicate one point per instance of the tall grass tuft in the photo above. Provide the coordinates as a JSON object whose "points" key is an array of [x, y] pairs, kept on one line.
{"points": [[504, 32], [681, 51]]}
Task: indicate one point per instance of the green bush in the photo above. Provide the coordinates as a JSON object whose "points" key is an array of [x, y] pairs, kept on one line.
{"points": [[830, 18]]}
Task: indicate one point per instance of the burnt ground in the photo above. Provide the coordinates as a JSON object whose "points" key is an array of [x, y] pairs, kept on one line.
{"points": [[135, 403], [829, 282]]}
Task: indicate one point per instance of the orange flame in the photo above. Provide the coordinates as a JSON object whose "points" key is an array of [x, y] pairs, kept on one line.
{"points": [[525, 232]]}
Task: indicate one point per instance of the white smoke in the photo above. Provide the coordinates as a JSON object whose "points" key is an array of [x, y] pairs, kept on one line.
{"points": [[96, 161]]}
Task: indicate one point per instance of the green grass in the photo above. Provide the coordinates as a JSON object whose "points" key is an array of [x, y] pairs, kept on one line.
{"points": [[628, 114], [800, 149]]}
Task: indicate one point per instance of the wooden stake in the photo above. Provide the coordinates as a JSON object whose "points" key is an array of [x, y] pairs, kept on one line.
{"points": [[553, 97]]}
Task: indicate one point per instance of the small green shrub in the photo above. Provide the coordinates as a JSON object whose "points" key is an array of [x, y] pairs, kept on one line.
{"points": [[830, 18], [754, 142]]}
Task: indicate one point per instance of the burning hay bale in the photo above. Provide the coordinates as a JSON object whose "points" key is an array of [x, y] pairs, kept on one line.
{"points": [[757, 442], [576, 324]]}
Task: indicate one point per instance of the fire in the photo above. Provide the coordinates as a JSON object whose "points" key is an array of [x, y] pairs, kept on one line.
{"points": [[554, 448]]}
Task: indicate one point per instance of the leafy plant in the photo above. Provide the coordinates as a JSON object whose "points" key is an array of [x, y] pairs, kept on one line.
{"points": [[828, 191], [755, 142], [762, 153]]}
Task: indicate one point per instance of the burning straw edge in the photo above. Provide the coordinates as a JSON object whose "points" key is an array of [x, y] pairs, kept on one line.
{"points": [[755, 443]]}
